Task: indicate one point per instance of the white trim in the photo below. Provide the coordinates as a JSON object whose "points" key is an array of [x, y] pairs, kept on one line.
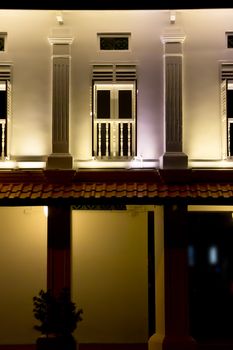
{"points": [[174, 35], [65, 40]]}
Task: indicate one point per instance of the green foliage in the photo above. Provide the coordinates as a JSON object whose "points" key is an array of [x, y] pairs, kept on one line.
{"points": [[58, 315]]}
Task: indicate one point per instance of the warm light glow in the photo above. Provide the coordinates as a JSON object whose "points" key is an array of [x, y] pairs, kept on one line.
{"points": [[211, 164], [172, 17], [2, 86], [59, 18], [46, 210], [31, 165], [7, 165], [210, 208]]}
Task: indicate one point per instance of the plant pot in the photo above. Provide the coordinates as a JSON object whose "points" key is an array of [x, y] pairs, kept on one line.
{"points": [[56, 343]]}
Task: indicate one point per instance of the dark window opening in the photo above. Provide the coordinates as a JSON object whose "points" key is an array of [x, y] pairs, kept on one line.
{"points": [[230, 144], [3, 104], [2, 44], [230, 41], [229, 103], [103, 104], [114, 43], [125, 104]]}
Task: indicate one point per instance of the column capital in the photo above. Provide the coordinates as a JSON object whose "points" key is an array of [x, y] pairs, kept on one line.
{"points": [[173, 35], [60, 40]]}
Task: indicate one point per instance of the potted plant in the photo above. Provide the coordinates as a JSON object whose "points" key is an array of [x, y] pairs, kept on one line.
{"points": [[58, 318]]}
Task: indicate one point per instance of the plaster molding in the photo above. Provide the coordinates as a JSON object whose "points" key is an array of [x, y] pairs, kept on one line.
{"points": [[173, 35], [60, 40]]}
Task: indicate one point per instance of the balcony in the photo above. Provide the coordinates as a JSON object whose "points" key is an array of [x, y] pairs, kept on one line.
{"points": [[114, 138], [3, 139]]}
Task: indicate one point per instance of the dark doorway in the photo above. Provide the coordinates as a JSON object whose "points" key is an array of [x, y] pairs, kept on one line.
{"points": [[210, 261]]}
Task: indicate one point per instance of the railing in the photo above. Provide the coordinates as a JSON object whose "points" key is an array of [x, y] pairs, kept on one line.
{"points": [[114, 138], [2, 137]]}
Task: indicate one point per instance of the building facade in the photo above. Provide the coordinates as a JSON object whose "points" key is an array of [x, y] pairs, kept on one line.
{"points": [[114, 117]]}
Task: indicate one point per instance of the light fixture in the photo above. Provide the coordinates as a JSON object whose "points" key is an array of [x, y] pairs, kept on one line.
{"points": [[59, 17], [172, 17]]}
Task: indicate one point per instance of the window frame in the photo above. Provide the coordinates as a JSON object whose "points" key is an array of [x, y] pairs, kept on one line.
{"points": [[229, 34], [3, 37], [6, 76], [114, 138], [114, 35]]}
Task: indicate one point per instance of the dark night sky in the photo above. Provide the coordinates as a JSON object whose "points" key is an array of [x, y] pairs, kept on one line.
{"points": [[112, 5]]}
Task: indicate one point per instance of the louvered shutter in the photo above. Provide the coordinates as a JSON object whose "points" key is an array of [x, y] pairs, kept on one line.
{"points": [[114, 73], [227, 71]]}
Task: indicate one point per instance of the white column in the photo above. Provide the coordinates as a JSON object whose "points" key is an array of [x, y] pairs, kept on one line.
{"points": [[173, 156], [60, 157]]}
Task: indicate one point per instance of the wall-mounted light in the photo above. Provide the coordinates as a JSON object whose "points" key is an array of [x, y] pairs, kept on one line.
{"points": [[172, 17], [59, 17]]}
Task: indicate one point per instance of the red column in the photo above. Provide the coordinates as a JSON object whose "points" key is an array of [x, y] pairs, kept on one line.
{"points": [[59, 245], [177, 335]]}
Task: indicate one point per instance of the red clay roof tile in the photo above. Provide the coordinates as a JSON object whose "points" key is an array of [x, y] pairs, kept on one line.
{"points": [[114, 190]]}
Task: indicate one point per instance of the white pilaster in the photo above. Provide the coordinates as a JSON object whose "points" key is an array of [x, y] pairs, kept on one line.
{"points": [[60, 157], [173, 156]]}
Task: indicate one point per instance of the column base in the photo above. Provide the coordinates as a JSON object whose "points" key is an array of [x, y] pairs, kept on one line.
{"points": [[173, 160], [59, 161], [179, 343], [156, 342]]}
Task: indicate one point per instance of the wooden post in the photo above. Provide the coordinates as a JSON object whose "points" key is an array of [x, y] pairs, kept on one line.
{"points": [[177, 335], [59, 245]]}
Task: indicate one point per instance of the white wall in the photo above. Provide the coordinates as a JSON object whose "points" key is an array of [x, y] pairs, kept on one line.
{"points": [[109, 277], [23, 242], [29, 51], [204, 48]]}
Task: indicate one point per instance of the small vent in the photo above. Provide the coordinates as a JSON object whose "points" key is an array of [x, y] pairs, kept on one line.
{"points": [[114, 73], [102, 72], [227, 71], [5, 72], [125, 73]]}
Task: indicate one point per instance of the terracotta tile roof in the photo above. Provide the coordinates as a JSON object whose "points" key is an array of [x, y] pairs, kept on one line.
{"points": [[18, 187], [113, 190]]}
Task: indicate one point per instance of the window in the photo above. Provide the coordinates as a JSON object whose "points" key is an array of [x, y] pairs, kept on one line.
{"points": [[229, 40], [114, 111], [227, 109], [2, 42], [5, 109], [116, 42]]}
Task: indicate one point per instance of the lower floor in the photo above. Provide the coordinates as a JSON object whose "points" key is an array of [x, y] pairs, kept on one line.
{"points": [[157, 276]]}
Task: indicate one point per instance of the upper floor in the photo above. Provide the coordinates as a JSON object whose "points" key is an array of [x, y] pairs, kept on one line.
{"points": [[116, 89]]}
